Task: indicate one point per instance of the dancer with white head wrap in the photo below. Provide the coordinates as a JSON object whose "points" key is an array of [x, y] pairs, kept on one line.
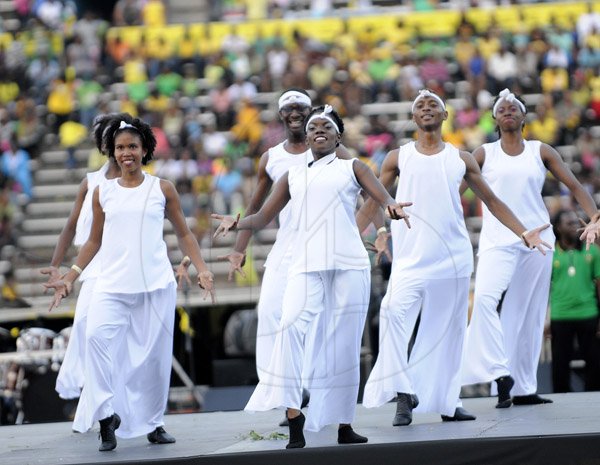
{"points": [[505, 347], [294, 105], [431, 269], [329, 277]]}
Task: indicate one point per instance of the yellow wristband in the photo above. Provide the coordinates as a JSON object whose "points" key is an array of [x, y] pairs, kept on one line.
{"points": [[382, 230], [76, 269]]}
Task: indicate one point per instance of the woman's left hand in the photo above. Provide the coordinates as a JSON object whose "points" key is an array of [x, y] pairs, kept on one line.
{"points": [[182, 274], [533, 240], [228, 223], [205, 281], [591, 232]]}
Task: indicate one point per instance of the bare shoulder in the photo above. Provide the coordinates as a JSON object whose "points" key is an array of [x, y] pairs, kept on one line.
{"points": [[342, 152], [167, 187], [479, 155]]}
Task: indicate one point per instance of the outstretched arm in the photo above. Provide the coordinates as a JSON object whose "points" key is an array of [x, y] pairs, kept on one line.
{"points": [[187, 242], [66, 235], [555, 164], [498, 208], [274, 204], [388, 174], [263, 186]]}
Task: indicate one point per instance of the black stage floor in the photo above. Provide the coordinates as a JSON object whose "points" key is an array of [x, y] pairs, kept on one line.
{"points": [[565, 432]]}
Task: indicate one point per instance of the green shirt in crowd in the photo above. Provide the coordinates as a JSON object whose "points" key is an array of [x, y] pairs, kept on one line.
{"points": [[573, 286]]}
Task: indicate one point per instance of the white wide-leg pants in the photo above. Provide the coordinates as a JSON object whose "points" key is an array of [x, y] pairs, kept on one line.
{"points": [[509, 343], [72, 369], [129, 357], [341, 298], [433, 371]]}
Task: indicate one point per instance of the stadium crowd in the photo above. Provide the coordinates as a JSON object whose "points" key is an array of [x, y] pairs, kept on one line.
{"points": [[210, 99]]}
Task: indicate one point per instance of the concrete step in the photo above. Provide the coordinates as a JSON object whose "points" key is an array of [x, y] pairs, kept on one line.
{"points": [[58, 175], [66, 191], [58, 208]]}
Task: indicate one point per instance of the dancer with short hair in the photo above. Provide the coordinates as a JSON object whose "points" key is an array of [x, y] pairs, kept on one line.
{"points": [[431, 269]]}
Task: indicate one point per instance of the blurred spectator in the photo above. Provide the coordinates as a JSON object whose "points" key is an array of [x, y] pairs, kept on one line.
{"points": [[10, 294], [51, 12], [586, 23], [71, 134], [29, 129], [221, 105], [42, 71], [15, 164], [127, 13], [88, 91], [544, 126], [61, 100], [7, 211], [154, 13], [213, 142], [168, 81], [502, 70], [248, 126]]}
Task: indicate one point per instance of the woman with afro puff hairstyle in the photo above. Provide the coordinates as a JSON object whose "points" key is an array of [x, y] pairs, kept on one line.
{"points": [[130, 338]]}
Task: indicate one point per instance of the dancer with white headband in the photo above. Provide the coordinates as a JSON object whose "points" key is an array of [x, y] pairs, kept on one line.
{"points": [[76, 230], [130, 336], [294, 106], [505, 346], [329, 276], [431, 268]]}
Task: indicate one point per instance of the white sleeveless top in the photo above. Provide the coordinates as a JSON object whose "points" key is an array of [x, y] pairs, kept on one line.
{"points": [[133, 255], [323, 203], [278, 164], [437, 246], [85, 219], [517, 181]]}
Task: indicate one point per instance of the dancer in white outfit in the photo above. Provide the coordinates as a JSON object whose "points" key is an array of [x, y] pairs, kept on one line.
{"points": [[431, 269], [506, 347], [71, 374], [328, 275], [76, 230], [294, 105], [135, 291]]}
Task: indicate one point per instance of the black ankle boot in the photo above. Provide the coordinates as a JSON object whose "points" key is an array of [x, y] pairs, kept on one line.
{"points": [[160, 436], [505, 384], [346, 435], [405, 404], [108, 426], [297, 440]]}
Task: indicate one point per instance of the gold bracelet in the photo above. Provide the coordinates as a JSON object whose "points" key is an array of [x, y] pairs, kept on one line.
{"points": [[525, 240], [382, 230], [76, 269]]}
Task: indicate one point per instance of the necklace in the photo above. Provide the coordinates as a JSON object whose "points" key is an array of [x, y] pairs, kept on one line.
{"points": [[571, 271]]}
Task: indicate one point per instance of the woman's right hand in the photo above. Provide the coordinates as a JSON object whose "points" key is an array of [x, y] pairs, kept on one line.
{"points": [[52, 272], [228, 223], [62, 288], [205, 281]]}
